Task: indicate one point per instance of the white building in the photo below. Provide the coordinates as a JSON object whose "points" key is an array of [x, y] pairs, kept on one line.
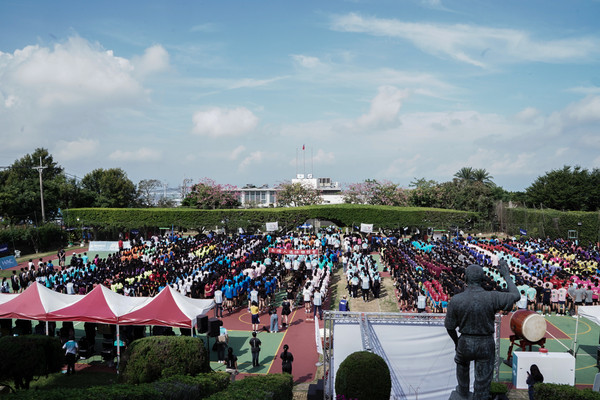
{"points": [[265, 196]]}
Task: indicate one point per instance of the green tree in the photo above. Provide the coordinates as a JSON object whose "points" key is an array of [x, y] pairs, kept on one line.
{"points": [[465, 174], [481, 175], [20, 188], [209, 195], [108, 188], [297, 194], [569, 189]]}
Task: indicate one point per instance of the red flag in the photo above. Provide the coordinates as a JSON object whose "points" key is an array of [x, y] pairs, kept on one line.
{"points": [[302, 147]]}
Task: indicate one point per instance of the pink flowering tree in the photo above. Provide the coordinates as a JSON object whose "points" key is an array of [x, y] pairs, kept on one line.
{"points": [[376, 193], [209, 195], [297, 194]]}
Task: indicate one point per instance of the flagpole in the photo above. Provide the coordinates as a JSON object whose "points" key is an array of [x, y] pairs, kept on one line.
{"points": [[303, 161], [296, 162]]}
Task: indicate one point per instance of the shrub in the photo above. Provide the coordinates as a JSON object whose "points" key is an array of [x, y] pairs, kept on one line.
{"points": [[24, 357], [152, 358], [174, 388], [363, 375], [111, 392], [183, 387], [551, 391], [265, 387]]}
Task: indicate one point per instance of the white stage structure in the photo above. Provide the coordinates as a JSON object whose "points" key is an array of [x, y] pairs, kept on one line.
{"points": [[416, 347]]}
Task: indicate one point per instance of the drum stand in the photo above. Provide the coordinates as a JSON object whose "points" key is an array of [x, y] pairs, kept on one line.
{"points": [[523, 343]]}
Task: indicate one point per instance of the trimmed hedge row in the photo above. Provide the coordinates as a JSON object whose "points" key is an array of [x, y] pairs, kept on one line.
{"points": [[551, 391], [288, 218], [214, 386], [173, 388], [264, 387]]}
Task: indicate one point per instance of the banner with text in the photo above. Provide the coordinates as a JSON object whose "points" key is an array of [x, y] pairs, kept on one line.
{"points": [[272, 226], [8, 262], [366, 228], [108, 246], [294, 252]]}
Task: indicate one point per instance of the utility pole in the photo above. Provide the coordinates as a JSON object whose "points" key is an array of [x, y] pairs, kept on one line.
{"points": [[39, 169]]}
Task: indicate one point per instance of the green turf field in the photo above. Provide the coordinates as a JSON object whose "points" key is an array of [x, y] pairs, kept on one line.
{"points": [[239, 341]]}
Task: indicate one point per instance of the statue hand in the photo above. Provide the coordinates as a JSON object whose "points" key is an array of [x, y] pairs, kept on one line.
{"points": [[503, 267]]}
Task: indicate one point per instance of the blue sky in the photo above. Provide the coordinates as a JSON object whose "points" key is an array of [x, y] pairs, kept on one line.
{"points": [[230, 90]]}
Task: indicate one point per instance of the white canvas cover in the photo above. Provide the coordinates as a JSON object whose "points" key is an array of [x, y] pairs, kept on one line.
{"points": [[590, 312], [101, 305], [169, 308]]}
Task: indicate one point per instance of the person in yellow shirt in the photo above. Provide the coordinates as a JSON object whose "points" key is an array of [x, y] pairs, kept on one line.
{"points": [[255, 320]]}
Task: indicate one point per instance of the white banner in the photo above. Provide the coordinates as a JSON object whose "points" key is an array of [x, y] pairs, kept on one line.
{"points": [[272, 226], [108, 246], [318, 337], [366, 228]]}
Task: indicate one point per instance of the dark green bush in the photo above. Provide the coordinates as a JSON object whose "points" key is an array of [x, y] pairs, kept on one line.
{"points": [[179, 387], [152, 358], [498, 388], [185, 387], [363, 375], [24, 357], [264, 387], [110, 392], [551, 391]]}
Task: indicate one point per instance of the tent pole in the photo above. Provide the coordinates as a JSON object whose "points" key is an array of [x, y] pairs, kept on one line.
{"points": [[574, 350], [47, 329], [118, 348]]}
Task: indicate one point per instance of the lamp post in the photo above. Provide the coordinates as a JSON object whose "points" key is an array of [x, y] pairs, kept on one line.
{"points": [[82, 238]]}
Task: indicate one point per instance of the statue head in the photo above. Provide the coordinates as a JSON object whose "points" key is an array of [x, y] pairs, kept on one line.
{"points": [[474, 275]]}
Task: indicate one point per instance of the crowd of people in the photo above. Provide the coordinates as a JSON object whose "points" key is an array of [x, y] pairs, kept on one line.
{"points": [[553, 276]]}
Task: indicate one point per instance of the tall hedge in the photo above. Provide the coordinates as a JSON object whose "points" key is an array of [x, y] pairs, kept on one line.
{"points": [[551, 223], [149, 359], [25, 357], [363, 375], [288, 218]]}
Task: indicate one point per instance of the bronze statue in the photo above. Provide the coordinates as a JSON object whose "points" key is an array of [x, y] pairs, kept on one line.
{"points": [[473, 313]]}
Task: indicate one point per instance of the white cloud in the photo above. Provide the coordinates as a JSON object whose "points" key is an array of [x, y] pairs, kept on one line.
{"points": [[384, 107], [205, 27], [77, 149], [70, 73], [235, 153], [324, 157], [142, 154], [528, 114], [254, 158], [307, 61], [471, 44], [155, 59], [585, 90], [219, 122]]}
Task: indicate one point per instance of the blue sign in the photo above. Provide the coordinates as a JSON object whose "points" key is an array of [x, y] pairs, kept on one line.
{"points": [[523, 231], [3, 247], [8, 262]]}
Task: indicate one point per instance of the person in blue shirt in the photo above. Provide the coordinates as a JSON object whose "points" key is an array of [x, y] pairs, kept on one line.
{"points": [[344, 304]]}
